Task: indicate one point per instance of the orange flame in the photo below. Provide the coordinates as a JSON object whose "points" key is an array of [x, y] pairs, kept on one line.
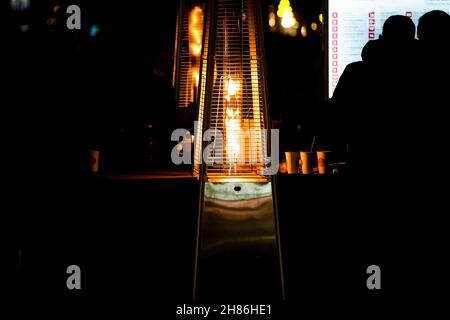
{"points": [[195, 31], [195, 41], [232, 122]]}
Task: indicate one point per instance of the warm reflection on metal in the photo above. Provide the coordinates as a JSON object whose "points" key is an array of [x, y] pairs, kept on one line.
{"points": [[238, 245], [213, 178], [238, 191]]}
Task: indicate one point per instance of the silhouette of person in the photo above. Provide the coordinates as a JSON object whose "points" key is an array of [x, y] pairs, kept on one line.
{"points": [[370, 108], [371, 112], [433, 31]]}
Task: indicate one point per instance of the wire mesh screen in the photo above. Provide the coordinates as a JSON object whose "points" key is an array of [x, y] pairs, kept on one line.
{"points": [[232, 91], [188, 46]]}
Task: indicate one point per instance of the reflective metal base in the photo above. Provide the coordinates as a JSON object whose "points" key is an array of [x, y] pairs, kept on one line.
{"points": [[238, 253]]}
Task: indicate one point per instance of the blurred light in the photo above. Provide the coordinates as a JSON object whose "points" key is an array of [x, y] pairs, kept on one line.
{"points": [[314, 26], [57, 8], [93, 32], [283, 7], [304, 31], [321, 18], [272, 19], [19, 5], [24, 28], [286, 14], [51, 21], [288, 20], [292, 32]]}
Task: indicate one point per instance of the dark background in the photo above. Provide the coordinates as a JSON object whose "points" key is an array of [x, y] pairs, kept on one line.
{"points": [[74, 91], [63, 92]]}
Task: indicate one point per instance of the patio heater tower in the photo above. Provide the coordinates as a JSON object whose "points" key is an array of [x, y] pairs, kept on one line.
{"points": [[238, 252]]}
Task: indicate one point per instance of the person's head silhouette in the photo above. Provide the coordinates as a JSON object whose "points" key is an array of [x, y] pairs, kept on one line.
{"points": [[398, 32], [398, 28], [434, 29]]}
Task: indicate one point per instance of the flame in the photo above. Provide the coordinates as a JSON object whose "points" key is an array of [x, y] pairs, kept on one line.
{"points": [[233, 125], [195, 42], [231, 87], [195, 31], [195, 75], [232, 122]]}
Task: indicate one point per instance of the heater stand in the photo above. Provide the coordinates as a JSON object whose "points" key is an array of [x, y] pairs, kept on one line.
{"points": [[238, 253], [238, 256]]}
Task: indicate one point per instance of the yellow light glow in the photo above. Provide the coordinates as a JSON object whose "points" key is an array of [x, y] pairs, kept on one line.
{"points": [[233, 127], [304, 32], [292, 32], [231, 87], [232, 122], [321, 18], [282, 7], [314, 26], [286, 14], [196, 50], [288, 20], [195, 75], [272, 20]]}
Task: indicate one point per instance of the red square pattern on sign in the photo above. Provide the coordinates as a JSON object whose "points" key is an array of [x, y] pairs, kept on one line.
{"points": [[334, 56], [335, 43], [335, 29], [334, 70], [334, 36], [334, 49], [334, 63], [335, 15], [371, 21], [372, 29], [372, 14], [371, 35]]}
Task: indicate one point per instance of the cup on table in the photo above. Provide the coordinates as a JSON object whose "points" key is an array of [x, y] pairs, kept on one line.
{"points": [[292, 162], [323, 161], [94, 157], [306, 162]]}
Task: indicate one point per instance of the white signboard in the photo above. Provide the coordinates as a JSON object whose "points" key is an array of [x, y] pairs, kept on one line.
{"points": [[351, 23]]}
